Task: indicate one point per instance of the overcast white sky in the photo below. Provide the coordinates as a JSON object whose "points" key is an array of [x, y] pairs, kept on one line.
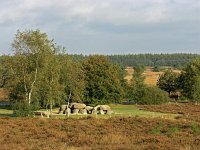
{"points": [[106, 26]]}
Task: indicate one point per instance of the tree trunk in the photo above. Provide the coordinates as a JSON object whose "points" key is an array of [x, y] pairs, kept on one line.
{"points": [[32, 85]]}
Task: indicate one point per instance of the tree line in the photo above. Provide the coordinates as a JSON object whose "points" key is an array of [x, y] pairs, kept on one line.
{"points": [[154, 60]]}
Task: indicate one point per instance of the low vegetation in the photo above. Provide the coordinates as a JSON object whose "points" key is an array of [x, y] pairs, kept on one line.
{"points": [[91, 133]]}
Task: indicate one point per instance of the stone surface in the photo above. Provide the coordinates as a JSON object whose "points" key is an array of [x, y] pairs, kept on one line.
{"points": [[101, 112], [78, 106], [105, 107], [75, 111], [83, 111]]}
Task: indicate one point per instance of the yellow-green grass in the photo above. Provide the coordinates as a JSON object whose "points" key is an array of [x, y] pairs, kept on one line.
{"points": [[118, 110], [133, 110], [6, 112]]}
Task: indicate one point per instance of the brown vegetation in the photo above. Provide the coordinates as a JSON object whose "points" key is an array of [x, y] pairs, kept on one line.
{"points": [[90, 133], [3, 94], [189, 111]]}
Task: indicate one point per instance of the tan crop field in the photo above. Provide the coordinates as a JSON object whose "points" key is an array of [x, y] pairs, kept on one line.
{"points": [[151, 77]]}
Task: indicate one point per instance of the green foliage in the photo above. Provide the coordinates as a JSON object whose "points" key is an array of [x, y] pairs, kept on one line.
{"points": [[72, 78], [103, 80], [168, 81], [157, 129], [21, 109], [195, 93], [189, 79], [5, 71], [41, 73], [140, 93], [173, 130], [156, 68], [195, 129], [173, 60], [153, 95]]}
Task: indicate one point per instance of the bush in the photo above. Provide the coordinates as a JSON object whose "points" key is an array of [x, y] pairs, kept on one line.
{"points": [[195, 129], [21, 109], [153, 95]]}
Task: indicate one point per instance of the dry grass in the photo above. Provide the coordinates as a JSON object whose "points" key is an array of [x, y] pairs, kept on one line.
{"points": [[151, 77], [90, 133], [3, 94], [190, 112]]}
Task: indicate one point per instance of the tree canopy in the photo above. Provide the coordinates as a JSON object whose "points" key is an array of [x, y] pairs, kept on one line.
{"points": [[103, 80]]}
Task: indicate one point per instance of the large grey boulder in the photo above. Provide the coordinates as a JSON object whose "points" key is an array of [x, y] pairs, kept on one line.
{"points": [[94, 112], [68, 111], [101, 112], [83, 111], [89, 109], [105, 108], [102, 107], [75, 111], [77, 106], [62, 109]]}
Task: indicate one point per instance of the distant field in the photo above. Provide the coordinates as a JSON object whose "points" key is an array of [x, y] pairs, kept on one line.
{"points": [[151, 77]]}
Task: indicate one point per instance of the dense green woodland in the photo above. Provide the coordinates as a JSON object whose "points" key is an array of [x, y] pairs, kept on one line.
{"points": [[173, 60], [41, 75]]}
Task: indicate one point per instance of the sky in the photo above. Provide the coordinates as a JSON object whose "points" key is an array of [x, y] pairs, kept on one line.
{"points": [[106, 26]]}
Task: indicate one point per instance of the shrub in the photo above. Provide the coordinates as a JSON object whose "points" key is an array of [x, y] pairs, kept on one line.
{"points": [[195, 128], [21, 109], [173, 129], [153, 95]]}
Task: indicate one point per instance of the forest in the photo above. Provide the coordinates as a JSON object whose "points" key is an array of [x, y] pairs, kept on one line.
{"points": [[130, 60]]}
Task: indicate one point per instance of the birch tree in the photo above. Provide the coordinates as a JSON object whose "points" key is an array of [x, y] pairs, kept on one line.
{"points": [[31, 49]]}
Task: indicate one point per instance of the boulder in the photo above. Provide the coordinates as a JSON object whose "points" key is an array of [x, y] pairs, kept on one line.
{"points": [[75, 111], [83, 111], [68, 111], [101, 112], [97, 107], [62, 109], [94, 112], [89, 109], [77, 106], [105, 108]]}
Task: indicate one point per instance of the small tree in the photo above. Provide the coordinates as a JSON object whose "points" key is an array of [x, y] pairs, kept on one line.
{"points": [[188, 78], [196, 90], [168, 81], [137, 87]]}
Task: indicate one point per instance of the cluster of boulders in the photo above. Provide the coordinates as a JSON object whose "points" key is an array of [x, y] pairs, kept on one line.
{"points": [[79, 108]]}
